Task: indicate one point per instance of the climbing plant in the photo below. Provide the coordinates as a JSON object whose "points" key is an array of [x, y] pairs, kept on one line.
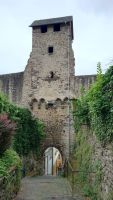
{"points": [[29, 133], [29, 130], [95, 108], [89, 175]]}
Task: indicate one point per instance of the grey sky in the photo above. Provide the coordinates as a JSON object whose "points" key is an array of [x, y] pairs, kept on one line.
{"points": [[93, 30]]}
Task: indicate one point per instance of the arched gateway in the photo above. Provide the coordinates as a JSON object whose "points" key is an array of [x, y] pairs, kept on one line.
{"points": [[49, 80]]}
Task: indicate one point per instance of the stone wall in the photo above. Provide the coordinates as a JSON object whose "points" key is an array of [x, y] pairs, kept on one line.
{"points": [[102, 155], [38, 82], [84, 81], [47, 84], [11, 85], [105, 156], [58, 125]]}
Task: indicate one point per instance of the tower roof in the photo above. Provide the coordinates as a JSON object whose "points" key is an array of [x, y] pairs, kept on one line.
{"points": [[51, 21]]}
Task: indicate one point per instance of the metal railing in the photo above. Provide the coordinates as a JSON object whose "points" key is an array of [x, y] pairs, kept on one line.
{"points": [[72, 176]]}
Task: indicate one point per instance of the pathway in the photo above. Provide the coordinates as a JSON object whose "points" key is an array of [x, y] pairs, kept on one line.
{"points": [[45, 188]]}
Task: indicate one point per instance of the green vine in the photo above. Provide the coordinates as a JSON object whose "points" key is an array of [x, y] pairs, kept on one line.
{"points": [[95, 108], [90, 174], [29, 130]]}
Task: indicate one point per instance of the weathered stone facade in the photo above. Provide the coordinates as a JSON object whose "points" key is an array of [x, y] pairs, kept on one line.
{"points": [[11, 85], [105, 156], [102, 155], [48, 83]]}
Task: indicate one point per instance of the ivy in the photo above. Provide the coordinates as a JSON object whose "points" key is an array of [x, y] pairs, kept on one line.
{"points": [[29, 130], [29, 133], [95, 108], [89, 174]]}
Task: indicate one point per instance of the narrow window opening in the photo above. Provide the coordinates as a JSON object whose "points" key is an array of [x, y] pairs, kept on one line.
{"points": [[56, 27], [43, 29], [50, 50], [51, 75]]}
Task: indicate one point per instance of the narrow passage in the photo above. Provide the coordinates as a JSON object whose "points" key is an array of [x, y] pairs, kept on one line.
{"points": [[45, 188]]}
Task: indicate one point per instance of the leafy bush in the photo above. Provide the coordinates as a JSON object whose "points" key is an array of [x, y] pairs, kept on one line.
{"points": [[29, 130], [7, 128], [7, 160], [29, 133], [95, 108], [10, 172]]}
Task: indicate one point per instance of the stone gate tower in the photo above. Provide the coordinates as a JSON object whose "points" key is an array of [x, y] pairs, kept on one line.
{"points": [[49, 79]]}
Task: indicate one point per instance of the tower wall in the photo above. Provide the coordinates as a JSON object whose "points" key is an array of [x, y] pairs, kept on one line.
{"points": [[47, 81], [37, 75]]}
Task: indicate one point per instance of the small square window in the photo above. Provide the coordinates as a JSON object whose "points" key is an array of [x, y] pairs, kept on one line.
{"points": [[50, 50], [56, 27], [43, 29]]}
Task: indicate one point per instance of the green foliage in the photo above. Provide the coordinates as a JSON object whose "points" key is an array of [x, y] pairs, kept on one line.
{"points": [[110, 196], [29, 133], [99, 70], [7, 160], [95, 108], [81, 109], [10, 172], [89, 177], [7, 128], [29, 130]]}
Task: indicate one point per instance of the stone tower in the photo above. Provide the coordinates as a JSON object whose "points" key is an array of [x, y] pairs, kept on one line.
{"points": [[48, 80]]}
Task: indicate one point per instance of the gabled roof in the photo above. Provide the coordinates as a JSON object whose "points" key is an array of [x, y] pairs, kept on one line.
{"points": [[51, 21]]}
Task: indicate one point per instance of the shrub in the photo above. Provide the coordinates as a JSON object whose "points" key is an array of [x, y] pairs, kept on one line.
{"points": [[9, 159], [29, 130], [10, 174], [7, 128], [29, 133]]}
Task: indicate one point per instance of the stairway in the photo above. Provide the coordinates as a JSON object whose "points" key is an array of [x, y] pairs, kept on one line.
{"points": [[45, 188]]}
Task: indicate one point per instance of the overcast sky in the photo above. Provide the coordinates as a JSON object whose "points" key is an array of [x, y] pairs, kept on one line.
{"points": [[93, 31]]}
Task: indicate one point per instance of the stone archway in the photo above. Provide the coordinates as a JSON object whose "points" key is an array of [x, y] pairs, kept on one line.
{"points": [[52, 161], [56, 118], [47, 145]]}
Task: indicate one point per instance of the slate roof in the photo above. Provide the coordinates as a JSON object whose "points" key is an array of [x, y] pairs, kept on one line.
{"points": [[52, 21]]}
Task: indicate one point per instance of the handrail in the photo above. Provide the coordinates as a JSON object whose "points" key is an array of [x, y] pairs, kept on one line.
{"points": [[71, 175]]}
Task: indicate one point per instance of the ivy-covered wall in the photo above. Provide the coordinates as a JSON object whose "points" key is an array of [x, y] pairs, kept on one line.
{"points": [[93, 116], [95, 163]]}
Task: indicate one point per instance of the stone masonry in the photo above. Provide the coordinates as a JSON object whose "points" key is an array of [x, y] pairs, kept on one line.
{"points": [[48, 83]]}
